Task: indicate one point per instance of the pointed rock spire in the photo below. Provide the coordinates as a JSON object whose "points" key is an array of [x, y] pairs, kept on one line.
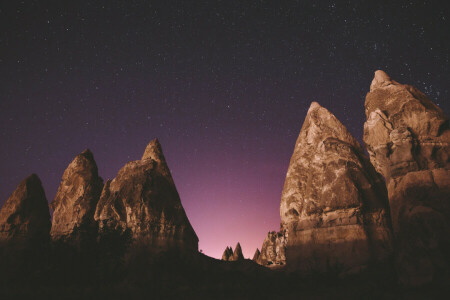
{"points": [[381, 79], [408, 139], [76, 200], [237, 254], [331, 190], [256, 255], [25, 216], [133, 202], [227, 254]]}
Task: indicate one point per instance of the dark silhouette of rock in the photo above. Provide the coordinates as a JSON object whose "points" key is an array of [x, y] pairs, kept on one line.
{"points": [[142, 205], [256, 256], [25, 217], [76, 200], [273, 250], [227, 254], [237, 254], [334, 207], [408, 137]]}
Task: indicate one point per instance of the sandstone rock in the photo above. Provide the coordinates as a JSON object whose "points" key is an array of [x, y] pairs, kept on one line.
{"points": [[227, 254], [408, 137], [237, 254], [76, 200], [25, 217], [256, 256], [334, 207], [273, 250], [142, 203]]}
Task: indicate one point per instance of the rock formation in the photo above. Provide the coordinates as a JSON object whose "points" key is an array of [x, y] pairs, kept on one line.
{"points": [[76, 200], [25, 217], [273, 250], [334, 207], [408, 137], [237, 254], [227, 254], [256, 256], [142, 203]]}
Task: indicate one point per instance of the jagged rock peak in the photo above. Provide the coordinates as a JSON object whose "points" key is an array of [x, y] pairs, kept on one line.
{"points": [[237, 254], [227, 254], [256, 255], [321, 124], [143, 203], [76, 200], [153, 151], [331, 190], [25, 215], [381, 79]]}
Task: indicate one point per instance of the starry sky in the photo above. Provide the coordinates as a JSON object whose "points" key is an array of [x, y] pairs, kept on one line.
{"points": [[224, 85]]}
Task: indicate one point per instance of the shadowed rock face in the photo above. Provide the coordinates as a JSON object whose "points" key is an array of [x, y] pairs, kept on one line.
{"points": [[237, 254], [25, 217], [408, 137], [227, 254], [142, 203], [334, 208], [76, 200], [256, 256], [273, 250]]}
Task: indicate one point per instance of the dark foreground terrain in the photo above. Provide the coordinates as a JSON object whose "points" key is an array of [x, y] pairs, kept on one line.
{"points": [[176, 275]]}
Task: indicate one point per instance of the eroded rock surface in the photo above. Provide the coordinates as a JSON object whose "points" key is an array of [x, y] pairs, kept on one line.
{"points": [[256, 256], [25, 217], [142, 204], [273, 250], [408, 137], [76, 200], [334, 207]]}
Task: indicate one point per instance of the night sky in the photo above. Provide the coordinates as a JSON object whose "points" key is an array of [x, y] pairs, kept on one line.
{"points": [[224, 86]]}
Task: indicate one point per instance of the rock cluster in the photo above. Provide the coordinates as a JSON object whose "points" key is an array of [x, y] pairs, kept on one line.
{"points": [[273, 250], [334, 207], [230, 255], [408, 140], [25, 218], [76, 200], [142, 203]]}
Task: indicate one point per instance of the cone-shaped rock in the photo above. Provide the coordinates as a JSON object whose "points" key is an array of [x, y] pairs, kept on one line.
{"points": [[227, 254], [25, 217], [237, 254], [334, 209], [142, 202], [408, 140], [273, 250], [76, 200], [256, 255]]}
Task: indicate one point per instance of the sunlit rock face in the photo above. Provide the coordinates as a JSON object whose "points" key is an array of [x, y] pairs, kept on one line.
{"points": [[76, 200], [408, 137], [25, 217], [256, 256], [142, 204], [273, 250], [334, 207]]}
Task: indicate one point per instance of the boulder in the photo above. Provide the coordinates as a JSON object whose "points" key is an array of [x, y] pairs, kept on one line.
{"points": [[408, 139], [142, 205], [334, 207], [76, 200]]}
